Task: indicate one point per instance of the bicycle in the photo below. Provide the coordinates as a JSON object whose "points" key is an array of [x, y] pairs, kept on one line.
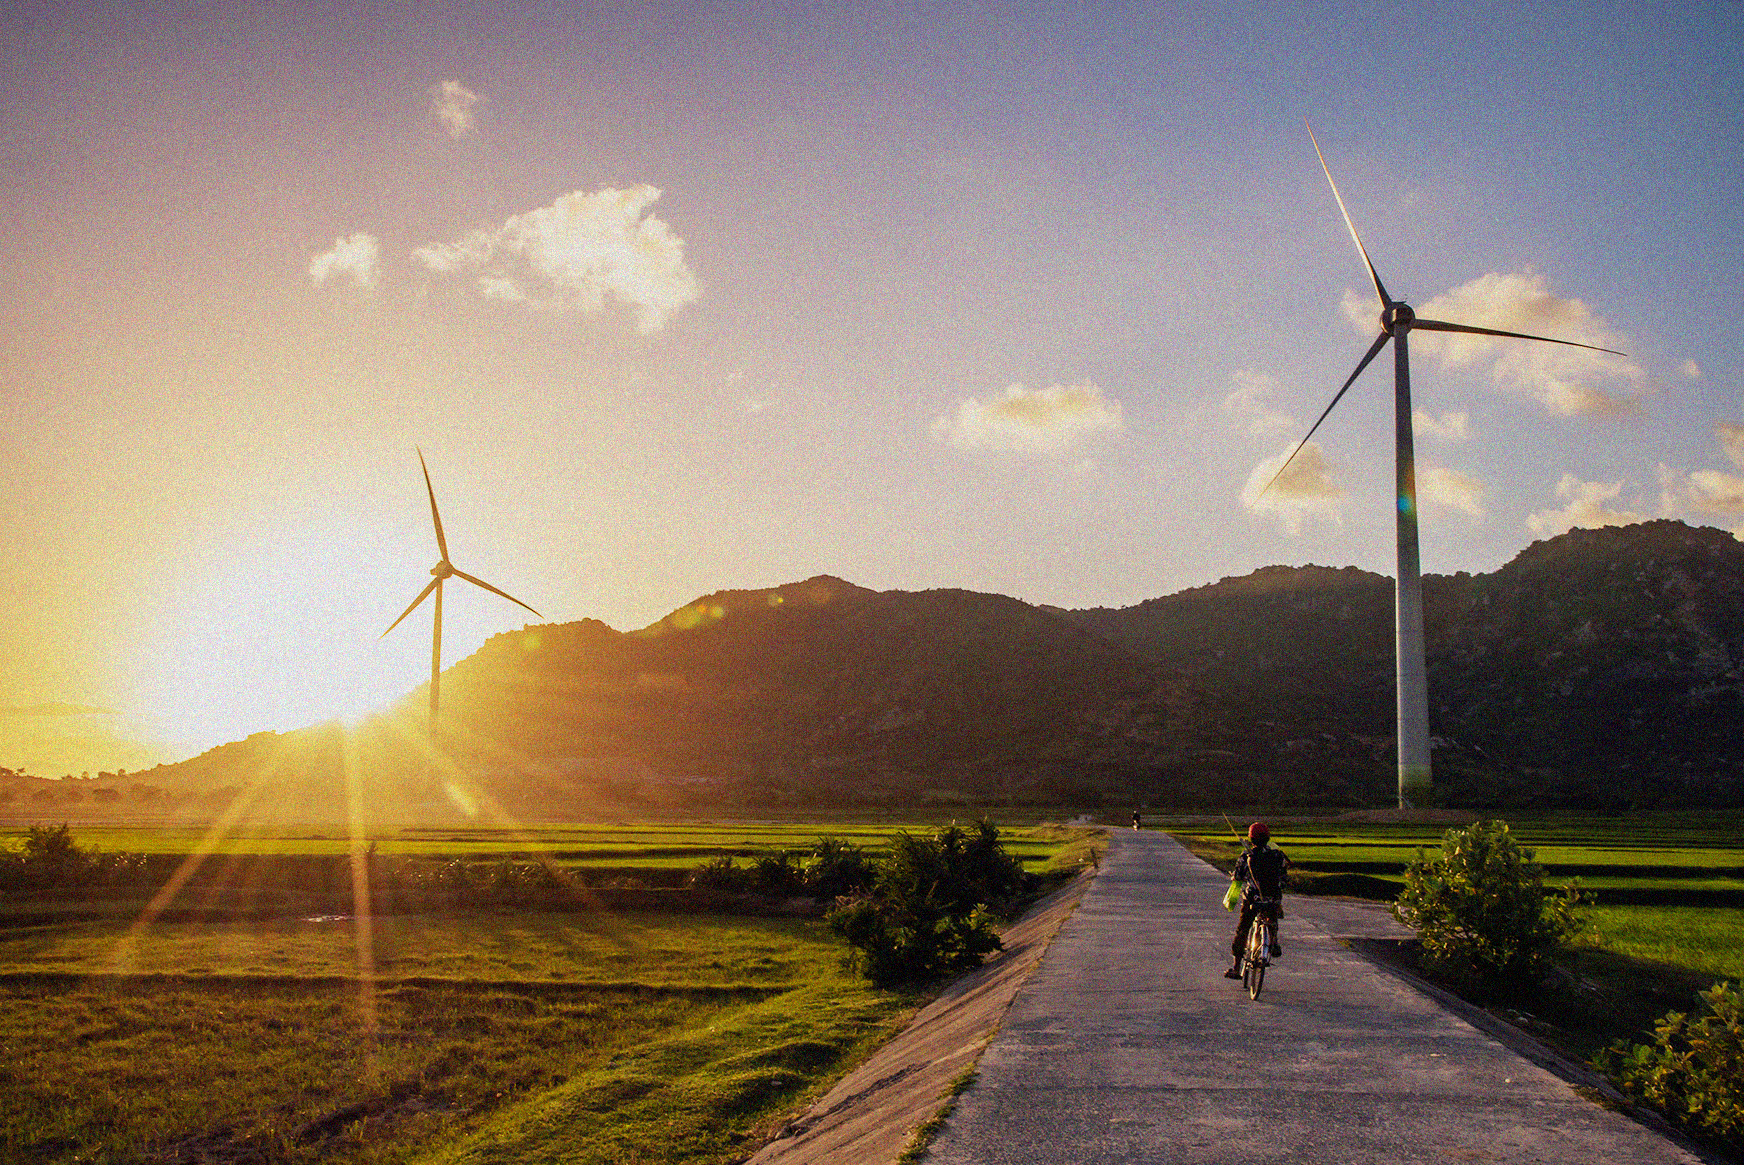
{"points": [[1258, 954]]}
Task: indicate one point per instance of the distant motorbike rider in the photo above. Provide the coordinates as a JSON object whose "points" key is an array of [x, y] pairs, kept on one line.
{"points": [[1260, 868]]}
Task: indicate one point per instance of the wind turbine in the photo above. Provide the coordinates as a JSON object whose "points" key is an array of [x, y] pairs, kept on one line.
{"points": [[1397, 322], [442, 571]]}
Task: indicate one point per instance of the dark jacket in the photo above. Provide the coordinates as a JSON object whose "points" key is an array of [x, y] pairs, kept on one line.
{"points": [[1262, 869]]}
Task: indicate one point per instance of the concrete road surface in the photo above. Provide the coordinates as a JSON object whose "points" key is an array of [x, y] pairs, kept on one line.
{"points": [[1128, 1045]]}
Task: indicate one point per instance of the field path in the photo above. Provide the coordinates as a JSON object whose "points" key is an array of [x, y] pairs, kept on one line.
{"points": [[1127, 1045]]}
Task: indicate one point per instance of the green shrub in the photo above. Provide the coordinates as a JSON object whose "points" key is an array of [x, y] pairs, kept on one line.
{"points": [[1693, 1071], [838, 867], [929, 913], [720, 873], [49, 859], [776, 873], [1482, 914]]}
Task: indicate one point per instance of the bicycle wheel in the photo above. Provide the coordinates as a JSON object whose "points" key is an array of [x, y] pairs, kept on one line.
{"points": [[1258, 944]]}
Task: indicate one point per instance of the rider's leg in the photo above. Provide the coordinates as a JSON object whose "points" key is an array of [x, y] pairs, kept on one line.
{"points": [[1240, 941]]}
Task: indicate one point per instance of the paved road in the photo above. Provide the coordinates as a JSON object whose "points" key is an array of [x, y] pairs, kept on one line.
{"points": [[1128, 1045]]}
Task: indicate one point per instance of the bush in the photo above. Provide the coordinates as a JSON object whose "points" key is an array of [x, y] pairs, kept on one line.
{"points": [[929, 913], [50, 859], [720, 873], [776, 873], [1481, 912], [837, 868], [1693, 1071]]}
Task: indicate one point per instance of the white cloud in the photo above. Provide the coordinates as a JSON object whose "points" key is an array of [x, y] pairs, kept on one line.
{"points": [[1708, 493], [1567, 381], [1714, 491], [451, 105], [1041, 421], [1732, 441], [1250, 401], [1691, 369], [355, 255], [1587, 505], [1450, 489], [1448, 428], [1305, 489], [1362, 311], [575, 254]]}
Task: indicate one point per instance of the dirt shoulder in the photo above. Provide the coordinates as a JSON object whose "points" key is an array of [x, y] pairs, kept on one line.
{"points": [[872, 1114]]}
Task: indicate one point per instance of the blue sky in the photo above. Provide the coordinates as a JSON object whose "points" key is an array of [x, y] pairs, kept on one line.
{"points": [[678, 298]]}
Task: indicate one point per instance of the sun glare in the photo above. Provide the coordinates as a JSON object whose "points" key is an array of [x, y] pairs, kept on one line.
{"points": [[286, 633]]}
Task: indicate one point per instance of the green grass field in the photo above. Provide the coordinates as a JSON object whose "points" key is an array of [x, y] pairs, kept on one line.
{"points": [[476, 1038], [466, 1036], [1659, 860], [654, 845]]}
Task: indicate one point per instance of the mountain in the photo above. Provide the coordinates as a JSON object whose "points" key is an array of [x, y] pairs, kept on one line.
{"points": [[822, 689], [1599, 668]]}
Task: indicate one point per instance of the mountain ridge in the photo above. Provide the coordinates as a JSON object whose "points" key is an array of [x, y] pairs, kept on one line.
{"points": [[1600, 669]]}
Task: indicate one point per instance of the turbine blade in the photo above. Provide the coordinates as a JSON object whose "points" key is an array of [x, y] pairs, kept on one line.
{"points": [[479, 582], [1379, 290], [441, 542], [1374, 350], [1439, 326], [422, 595]]}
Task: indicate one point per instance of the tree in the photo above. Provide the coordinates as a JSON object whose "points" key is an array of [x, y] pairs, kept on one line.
{"points": [[1482, 914]]}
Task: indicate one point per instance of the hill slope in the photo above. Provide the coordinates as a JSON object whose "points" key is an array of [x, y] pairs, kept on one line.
{"points": [[1600, 668]]}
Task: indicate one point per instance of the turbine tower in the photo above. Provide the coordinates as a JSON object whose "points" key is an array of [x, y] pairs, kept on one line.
{"points": [[442, 571], [1397, 323]]}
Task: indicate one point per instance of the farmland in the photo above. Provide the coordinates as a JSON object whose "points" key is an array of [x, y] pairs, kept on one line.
{"points": [[480, 1034], [620, 848], [1670, 860]]}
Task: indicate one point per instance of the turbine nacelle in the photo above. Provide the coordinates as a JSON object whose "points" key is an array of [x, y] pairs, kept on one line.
{"points": [[442, 569], [1397, 317]]}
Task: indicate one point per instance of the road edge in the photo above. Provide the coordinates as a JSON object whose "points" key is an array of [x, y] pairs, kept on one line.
{"points": [[873, 1113]]}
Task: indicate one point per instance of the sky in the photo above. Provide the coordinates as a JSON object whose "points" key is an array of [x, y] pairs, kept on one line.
{"points": [[677, 298]]}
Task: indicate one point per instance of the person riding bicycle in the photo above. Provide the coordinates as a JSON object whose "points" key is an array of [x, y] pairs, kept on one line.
{"points": [[1260, 868]]}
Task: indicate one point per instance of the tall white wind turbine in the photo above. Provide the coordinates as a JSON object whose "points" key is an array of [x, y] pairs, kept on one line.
{"points": [[1397, 322], [442, 571]]}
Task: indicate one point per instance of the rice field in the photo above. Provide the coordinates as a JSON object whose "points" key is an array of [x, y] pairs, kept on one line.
{"points": [[572, 1038], [617, 847], [131, 1035], [1671, 859]]}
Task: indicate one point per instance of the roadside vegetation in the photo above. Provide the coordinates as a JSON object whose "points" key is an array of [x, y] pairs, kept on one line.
{"points": [[927, 911], [1483, 919]]}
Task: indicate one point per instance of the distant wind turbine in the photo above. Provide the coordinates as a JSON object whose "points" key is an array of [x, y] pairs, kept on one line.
{"points": [[443, 570], [1397, 321]]}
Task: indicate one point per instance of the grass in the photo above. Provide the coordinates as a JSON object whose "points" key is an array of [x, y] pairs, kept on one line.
{"points": [[1668, 859], [460, 1037], [1707, 941], [660, 949], [486, 1038], [710, 1092], [620, 849]]}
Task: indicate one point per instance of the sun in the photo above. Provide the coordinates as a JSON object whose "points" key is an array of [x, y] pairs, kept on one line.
{"points": [[277, 633]]}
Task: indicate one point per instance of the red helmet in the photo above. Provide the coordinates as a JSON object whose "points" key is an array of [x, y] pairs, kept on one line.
{"points": [[1258, 833]]}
